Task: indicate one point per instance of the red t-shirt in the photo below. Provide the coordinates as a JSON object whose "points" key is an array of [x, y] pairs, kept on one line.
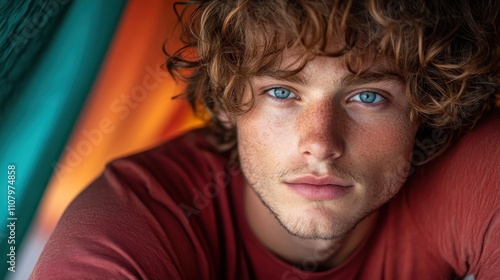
{"points": [[176, 212]]}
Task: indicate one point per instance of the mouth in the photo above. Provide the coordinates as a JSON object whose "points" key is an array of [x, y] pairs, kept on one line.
{"points": [[319, 188]]}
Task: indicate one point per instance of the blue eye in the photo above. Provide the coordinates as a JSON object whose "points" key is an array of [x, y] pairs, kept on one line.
{"points": [[368, 97], [281, 93]]}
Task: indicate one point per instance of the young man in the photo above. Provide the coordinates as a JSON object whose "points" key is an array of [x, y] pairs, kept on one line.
{"points": [[321, 112]]}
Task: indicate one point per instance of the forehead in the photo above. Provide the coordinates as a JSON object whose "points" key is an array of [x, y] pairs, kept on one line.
{"points": [[294, 66]]}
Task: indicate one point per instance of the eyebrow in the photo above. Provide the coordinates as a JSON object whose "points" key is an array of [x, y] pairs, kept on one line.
{"points": [[351, 79], [371, 76], [297, 78]]}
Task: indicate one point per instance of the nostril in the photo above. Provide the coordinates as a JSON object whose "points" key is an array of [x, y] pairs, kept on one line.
{"points": [[320, 147]]}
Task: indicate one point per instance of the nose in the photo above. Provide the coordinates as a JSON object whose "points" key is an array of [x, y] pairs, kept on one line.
{"points": [[321, 132]]}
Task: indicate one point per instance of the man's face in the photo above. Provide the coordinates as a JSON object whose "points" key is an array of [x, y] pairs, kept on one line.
{"points": [[323, 150]]}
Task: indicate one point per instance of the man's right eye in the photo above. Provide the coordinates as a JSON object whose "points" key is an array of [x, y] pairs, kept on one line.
{"points": [[281, 93]]}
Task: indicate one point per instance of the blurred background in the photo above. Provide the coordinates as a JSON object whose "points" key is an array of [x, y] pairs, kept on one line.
{"points": [[81, 83]]}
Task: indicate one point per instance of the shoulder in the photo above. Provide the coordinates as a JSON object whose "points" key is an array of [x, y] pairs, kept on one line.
{"points": [[455, 200], [477, 150], [472, 164], [128, 222]]}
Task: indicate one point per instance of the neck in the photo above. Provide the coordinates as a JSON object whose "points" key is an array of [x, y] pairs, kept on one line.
{"points": [[306, 253]]}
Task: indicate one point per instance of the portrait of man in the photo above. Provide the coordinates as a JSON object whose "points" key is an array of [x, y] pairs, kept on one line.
{"points": [[342, 140]]}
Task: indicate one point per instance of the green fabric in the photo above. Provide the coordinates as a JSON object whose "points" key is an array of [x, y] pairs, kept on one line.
{"points": [[45, 83]]}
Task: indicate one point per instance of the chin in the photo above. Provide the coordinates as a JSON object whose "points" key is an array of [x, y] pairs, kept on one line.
{"points": [[316, 231], [317, 222]]}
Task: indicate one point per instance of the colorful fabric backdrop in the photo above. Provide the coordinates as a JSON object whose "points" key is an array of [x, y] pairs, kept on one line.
{"points": [[81, 83]]}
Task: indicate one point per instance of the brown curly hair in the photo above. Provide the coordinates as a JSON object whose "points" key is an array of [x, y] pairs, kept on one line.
{"points": [[448, 52]]}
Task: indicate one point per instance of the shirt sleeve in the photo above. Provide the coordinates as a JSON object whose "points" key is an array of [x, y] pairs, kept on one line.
{"points": [[112, 230], [456, 202]]}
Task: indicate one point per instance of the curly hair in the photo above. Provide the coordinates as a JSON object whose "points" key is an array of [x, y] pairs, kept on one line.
{"points": [[447, 51]]}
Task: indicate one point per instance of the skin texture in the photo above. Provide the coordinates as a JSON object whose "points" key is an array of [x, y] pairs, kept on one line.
{"points": [[323, 129]]}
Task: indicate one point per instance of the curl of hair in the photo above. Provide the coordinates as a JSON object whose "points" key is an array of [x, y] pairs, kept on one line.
{"points": [[448, 52]]}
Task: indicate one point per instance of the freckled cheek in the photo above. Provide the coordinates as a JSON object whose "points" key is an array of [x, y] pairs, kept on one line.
{"points": [[386, 136], [265, 134], [381, 151]]}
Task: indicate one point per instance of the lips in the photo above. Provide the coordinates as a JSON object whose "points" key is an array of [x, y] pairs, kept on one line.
{"points": [[319, 188], [313, 180]]}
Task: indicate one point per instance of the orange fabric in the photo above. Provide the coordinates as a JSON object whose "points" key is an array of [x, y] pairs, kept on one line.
{"points": [[130, 107]]}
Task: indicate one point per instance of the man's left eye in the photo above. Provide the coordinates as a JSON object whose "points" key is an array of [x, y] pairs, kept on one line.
{"points": [[368, 97]]}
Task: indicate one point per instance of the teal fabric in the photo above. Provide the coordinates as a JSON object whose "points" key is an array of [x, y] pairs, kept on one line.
{"points": [[25, 27], [45, 84]]}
